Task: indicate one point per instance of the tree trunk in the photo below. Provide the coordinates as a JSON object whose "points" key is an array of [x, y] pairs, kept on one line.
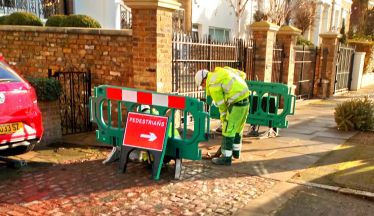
{"points": [[237, 27], [237, 14]]}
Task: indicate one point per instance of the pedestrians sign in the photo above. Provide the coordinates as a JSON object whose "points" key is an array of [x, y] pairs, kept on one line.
{"points": [[145, 131]]}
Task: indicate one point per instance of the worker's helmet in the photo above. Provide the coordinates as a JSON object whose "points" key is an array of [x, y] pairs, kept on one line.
{"points": [[144, 108], [200, 75]]}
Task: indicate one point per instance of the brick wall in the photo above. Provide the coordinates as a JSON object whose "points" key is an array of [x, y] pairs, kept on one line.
{"points": [[34, 50], [152, 50], [51, 122]]}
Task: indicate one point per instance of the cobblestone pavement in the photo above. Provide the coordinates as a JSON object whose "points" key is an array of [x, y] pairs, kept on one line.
{"points": [[90, 188]]}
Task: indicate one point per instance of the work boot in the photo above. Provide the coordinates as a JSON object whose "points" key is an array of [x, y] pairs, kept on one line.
{"points": [[226, 149], [222, 161], [237, 145]]}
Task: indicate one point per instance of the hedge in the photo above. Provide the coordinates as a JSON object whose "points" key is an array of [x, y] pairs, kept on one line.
{"points": [[55, 21], [2, 19], [367, 47], [82, 21], [46, 89], [23, 18], [302, 41]]}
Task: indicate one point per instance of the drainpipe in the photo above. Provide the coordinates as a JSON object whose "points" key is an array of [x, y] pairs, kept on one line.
{"points": [[332, 14]]}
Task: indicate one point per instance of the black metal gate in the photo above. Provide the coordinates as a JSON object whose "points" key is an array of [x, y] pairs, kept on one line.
{"points": [[277, 64], [41, 8], [74, 101], [192, 53], [305, 69], [344, 66]]}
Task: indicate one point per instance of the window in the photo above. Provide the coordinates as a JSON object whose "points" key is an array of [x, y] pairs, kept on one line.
{"points": [[195, 28], [7, 74], [219, 35]]}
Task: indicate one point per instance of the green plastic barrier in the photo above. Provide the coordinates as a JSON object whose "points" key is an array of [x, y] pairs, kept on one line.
{"points": [[176, 148], [264, 102]]}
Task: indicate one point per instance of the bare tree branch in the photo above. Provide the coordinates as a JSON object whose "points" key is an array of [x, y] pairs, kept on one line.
{"points": [[233, 7], [243, 8], [280, 10]]}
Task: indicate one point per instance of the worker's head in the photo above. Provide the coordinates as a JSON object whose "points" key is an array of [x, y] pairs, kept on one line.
{"points": [[200, 78], [144, 108], [168, 113]]}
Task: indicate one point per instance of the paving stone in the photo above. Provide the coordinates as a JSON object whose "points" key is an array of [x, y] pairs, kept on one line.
{"points": [[89, 188]]}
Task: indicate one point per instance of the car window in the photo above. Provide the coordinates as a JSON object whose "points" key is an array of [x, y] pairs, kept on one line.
{"points": [[7, 74]]}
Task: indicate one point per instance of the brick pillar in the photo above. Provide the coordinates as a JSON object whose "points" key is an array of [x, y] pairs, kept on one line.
{"points": [[287, 35], [264, 36], [327, 66], [152, 45]]}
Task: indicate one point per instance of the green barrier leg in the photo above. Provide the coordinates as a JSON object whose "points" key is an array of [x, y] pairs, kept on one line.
{"points": [[178, 168], [269, 133], [113, 156], [254, 131]]}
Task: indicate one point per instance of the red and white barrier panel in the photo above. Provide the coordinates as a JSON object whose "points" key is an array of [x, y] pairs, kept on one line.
{"points": [[176, 102]]}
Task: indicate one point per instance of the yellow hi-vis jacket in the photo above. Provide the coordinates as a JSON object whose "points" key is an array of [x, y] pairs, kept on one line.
{"points": [[225, 86]]}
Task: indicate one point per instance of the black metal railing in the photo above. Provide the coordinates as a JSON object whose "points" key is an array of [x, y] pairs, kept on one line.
{"points": [[74, 101], [305, 69], [191, 53], [344, 67], [126, 18], [41, 8], [277, 64]]}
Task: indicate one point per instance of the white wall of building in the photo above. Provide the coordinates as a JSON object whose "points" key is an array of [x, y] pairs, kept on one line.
{"points": [[106, 12], [220, 14]]}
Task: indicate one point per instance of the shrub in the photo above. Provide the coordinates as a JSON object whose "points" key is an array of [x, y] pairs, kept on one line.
{"points": [[343, 39], [82, 21], [355, 114], [55, 20], [362, 38], [23, 18], [2, 20], [367, 47], [46, 89], [302, 41]]}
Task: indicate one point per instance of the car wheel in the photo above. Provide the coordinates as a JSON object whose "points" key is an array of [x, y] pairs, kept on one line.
{"points": [[17, 150]]}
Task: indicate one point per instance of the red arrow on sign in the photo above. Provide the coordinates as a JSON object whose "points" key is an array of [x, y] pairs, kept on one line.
{"points": [[145, 131]]}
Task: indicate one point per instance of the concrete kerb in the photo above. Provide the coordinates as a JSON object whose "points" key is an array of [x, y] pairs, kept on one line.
{"points": [[270, 201], [334, 188]]}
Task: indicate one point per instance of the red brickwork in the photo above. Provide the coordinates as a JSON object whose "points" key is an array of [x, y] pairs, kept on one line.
{"points": [[51, 122], [152, 29], [264, 54], [34, 50], [326, 67], [289, 43]]}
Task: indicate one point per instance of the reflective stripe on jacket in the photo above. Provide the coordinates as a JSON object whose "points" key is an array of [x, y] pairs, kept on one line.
{"points": [[176, 133], [226, 86]]}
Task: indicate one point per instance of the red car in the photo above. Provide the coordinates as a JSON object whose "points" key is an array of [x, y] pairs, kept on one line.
{"points": [[20, 118]]}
